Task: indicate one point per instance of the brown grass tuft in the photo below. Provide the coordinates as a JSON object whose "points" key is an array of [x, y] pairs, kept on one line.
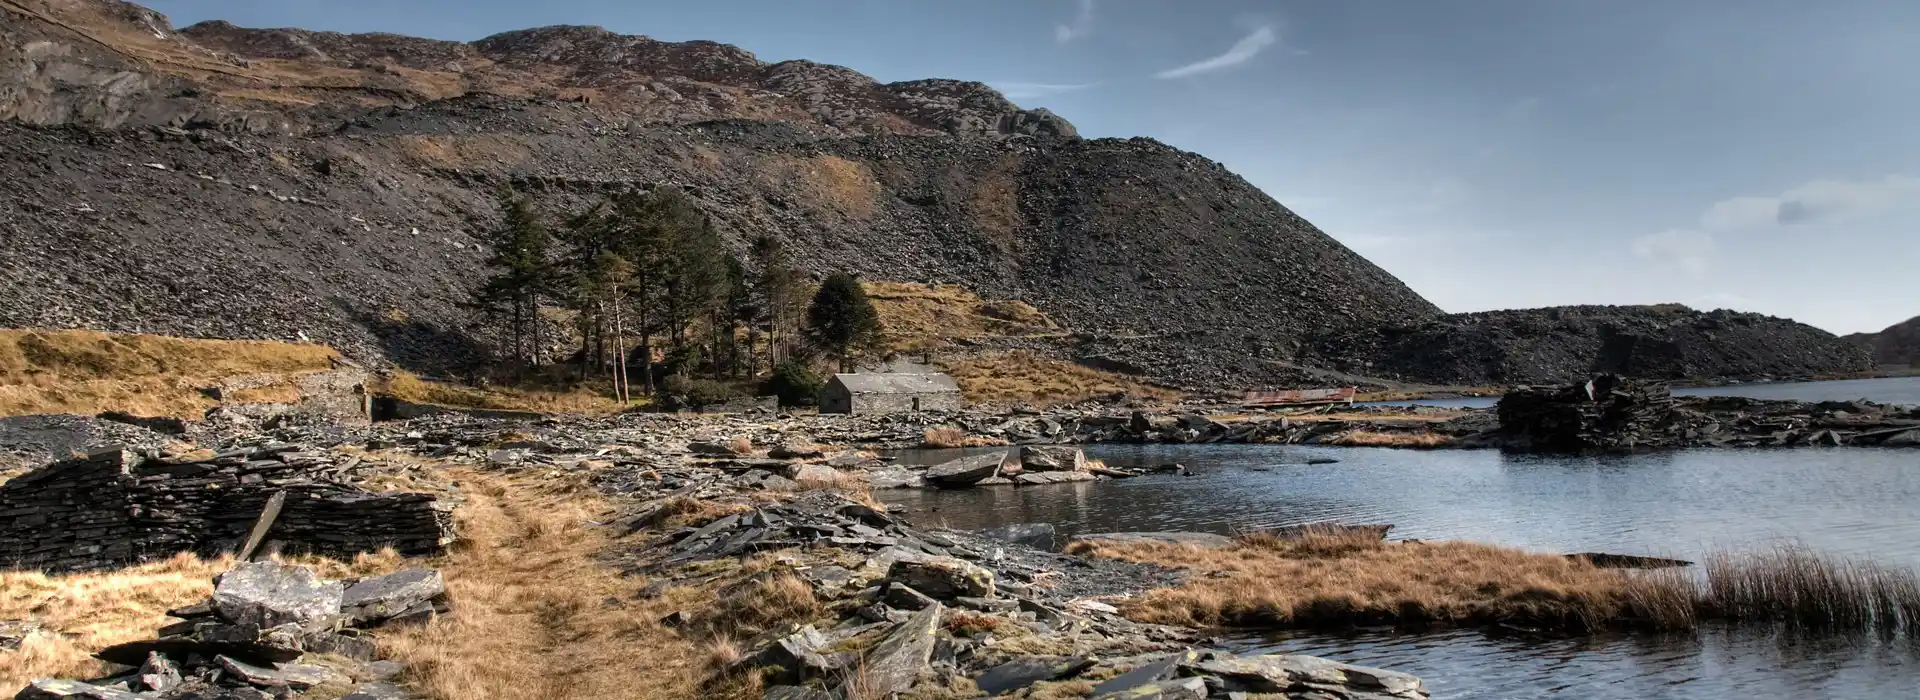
{"points": [[764, 603], [1799, 587], [943, 437], [1023, 377], [741, 446], [1368, 438]]}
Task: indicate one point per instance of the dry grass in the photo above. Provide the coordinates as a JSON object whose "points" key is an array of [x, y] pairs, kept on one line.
{"points": [[80, 614], [587, 399], [1370, 438], [1325, 581], [1022, 377], [825, 184], [923, 317], [741, 446], [949, 437], [538, 616], [89, 372], [1799, 587]]}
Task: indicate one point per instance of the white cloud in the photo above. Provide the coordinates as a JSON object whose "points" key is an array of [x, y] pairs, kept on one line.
{"points": [[1687, 249], [1820, 200], [1017, 90], [1080, 28], [1242, 51]]}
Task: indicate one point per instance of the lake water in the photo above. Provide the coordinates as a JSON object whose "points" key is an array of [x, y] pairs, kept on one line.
{"points": [[1892, 390], [1853, 502]]}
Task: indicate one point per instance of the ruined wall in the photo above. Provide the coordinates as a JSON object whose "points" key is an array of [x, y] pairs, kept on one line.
{"points": [[874, 404], [115, 508]]}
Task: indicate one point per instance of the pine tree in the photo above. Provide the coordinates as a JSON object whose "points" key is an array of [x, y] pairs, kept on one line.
{"points": [[779, 290], [841, 320], [517, 250]]}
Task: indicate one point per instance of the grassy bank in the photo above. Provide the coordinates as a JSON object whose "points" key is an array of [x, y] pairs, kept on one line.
{"points": [[1023, 377], [1332, 582], [88, 372]]}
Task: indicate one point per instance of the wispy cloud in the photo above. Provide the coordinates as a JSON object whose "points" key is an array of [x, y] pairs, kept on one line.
{"points": [[1017, 90], [1687, 249], [1820, 200], [1242, 51], [1080, 28]]}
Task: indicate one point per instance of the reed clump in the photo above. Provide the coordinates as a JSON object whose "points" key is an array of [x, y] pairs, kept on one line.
{"points": [[1802, 588]]}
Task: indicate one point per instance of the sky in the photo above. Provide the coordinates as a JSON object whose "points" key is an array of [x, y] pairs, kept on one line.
{"points": [[1759, 155]]}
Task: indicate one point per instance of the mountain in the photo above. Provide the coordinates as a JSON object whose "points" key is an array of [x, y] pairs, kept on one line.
{"points": [[230, 182], [1899, 344]]}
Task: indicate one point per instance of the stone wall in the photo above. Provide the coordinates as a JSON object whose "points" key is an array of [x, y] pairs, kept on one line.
{"points": [[115, 508], [875, 404]]}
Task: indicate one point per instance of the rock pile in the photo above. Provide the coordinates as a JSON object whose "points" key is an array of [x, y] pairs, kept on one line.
{"points": [[247, 641], [1611, 414], [1606, 414], [116, 507]]}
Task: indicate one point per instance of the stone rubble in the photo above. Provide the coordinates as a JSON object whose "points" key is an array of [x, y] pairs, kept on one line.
{"points": [[249, 639]]}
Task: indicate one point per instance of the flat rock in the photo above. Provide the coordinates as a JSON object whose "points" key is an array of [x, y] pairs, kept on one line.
{"points": [[295, 676], [245, 642], [1194, 539], [1299, 674], [270, 594], [381, 597], [1176, 689], [795, 450], [1022, 672], [75, 690], [813, 473], [966, 471], [1147, 674]]}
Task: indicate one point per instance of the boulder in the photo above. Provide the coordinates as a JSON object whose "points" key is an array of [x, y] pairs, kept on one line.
{"points": [[376, 599], [270, 594], [943, 578], [711, 449], [896, 478], [1035, 535], [853, 459], [813, 474], [1292, 674], [1192, 539], [898, 660], [966, 471], [1053, 458], [1025, 671]]}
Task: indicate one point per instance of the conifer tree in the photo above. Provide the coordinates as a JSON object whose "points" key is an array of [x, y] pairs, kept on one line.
{"points": [[841, 320], [517, 252]]}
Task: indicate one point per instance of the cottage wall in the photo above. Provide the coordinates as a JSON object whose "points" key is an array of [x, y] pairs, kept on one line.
{"points": [[873, 404], [835, 399]]}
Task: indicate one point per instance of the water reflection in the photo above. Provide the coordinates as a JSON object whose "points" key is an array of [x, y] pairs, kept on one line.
{"points": [[1892, 390]]}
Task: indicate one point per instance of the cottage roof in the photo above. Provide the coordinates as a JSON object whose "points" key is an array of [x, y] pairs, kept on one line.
{"points": [[897, 383]]}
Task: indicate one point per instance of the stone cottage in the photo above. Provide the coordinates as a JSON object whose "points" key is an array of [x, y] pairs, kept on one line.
{"points": [[866, 394]]}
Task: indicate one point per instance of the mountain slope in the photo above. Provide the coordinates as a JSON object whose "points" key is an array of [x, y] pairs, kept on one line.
{"points": [[230, 182], [1899, 344]]}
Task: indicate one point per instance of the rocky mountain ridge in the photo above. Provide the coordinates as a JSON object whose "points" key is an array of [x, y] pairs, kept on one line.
{"points": [[1898, 345], [229, 182]]}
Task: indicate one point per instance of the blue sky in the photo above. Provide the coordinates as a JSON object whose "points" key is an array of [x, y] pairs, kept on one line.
{"points": [[1761, 155]]}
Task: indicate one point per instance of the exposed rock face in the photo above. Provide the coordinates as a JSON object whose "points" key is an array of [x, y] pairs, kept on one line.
{"points": [[269, 594], [1899, 344]]}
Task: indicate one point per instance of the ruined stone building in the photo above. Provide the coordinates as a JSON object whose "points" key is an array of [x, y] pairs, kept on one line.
{"points": [[868, 394]]}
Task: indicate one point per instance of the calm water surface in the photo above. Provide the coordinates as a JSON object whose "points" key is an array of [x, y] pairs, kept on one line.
{"points": [[1897, 390], [1847, 501]]}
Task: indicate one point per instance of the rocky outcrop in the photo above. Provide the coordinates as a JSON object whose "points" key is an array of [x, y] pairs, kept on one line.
{"points": [[116, 507], [1564, 344]]}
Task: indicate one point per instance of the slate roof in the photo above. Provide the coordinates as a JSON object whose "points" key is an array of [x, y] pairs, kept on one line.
{"points": [[897, 383]]}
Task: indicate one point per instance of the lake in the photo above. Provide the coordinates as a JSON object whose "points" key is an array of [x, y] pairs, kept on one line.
{"points": [[1854, 502], [1894, 390]]}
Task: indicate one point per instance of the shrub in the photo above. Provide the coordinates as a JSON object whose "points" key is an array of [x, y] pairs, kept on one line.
{"points": [[697, 394], [794, 383]]}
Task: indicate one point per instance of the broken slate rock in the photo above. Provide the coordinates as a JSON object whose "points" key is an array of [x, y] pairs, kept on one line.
{"points": [[375, 599], [797, 655], [943, 578], [897, 661], [158, 674], [794, 692], [295, 676], [245, 642], [813, 474], [1053, 458], [1025, 671], [794, 450], [74, 690], [1154, 672], [1181, 689], [903, 597], [1277, 673], [270, 594]]}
